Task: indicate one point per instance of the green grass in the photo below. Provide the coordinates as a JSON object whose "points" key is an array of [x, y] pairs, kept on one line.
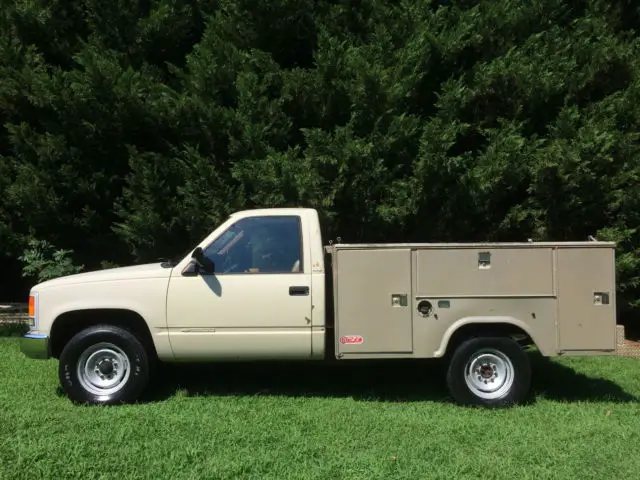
{"points": [[313, 421]]}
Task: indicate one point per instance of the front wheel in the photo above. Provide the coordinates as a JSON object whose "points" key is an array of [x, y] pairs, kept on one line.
{"points": [[105, 365], [489, 371]]}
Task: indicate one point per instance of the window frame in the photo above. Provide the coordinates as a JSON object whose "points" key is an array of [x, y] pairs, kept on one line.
{"points": [[301, 243]]}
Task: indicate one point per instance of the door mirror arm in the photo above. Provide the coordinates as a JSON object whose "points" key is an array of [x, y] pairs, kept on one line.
{"points": [[199, 264]]}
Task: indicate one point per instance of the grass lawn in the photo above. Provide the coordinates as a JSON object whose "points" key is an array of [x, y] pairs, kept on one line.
{"points": [[313, 421]]}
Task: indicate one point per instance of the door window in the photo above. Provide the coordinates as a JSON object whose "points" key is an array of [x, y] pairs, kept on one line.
{"points": [[259, 245]]}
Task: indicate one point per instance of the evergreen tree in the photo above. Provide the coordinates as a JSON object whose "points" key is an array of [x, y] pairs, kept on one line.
{"points": [[130, 129]]}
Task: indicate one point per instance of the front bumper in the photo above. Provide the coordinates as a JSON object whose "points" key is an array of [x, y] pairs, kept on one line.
{"points": [[35, 345]]}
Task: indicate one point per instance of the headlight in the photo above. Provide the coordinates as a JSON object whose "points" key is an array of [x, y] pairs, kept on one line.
{"points": [[33, 310]]}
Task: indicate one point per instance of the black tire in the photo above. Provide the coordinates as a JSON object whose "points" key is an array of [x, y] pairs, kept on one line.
{"points": [[118, 345], [504, 351]]}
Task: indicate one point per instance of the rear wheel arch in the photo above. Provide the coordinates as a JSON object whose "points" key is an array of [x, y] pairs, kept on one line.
{"points": [[68, 324], [483, 328]]}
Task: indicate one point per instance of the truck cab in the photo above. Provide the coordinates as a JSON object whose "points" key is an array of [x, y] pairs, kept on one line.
{"points": [[258, 291]]}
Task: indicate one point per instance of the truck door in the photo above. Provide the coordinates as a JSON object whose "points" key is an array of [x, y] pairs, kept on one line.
{"points": [[372, 293], [256, 305]]}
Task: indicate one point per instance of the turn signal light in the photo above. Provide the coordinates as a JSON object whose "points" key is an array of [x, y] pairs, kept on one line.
{"points": [[32, 306]]}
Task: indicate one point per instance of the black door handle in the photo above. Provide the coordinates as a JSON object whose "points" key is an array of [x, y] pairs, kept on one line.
{"points": [[298, 290]]}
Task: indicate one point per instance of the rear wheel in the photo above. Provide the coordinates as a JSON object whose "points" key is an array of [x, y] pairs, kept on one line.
{"points": [[489, 371], [104, 364]]}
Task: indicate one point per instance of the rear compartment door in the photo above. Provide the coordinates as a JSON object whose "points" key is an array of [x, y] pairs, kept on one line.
{"points": [[372, 301], [586, 299]]}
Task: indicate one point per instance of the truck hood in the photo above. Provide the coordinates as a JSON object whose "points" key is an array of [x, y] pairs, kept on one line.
{"points": [[151, 270]]}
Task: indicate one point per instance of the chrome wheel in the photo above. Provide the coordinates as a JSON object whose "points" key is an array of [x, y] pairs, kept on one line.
{"points": [[489, 374], [103, 369]]}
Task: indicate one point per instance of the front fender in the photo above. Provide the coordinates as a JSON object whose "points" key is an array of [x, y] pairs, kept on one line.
{"points": [[146, 298]]}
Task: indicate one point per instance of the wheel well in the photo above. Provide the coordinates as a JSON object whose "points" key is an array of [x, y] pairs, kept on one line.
{"points": [[70, 323], [474, 330]]}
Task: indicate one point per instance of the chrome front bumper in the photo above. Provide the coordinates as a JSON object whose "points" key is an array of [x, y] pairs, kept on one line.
{"points": [[35, 345]]}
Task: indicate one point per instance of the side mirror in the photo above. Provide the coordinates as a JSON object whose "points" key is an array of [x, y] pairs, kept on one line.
{"points": [[204, 263]]}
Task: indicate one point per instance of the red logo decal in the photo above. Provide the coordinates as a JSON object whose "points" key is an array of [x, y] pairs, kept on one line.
{"points": [[351, 339]]}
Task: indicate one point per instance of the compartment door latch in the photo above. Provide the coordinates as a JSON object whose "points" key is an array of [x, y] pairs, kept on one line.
{"points": [[399, 300]]}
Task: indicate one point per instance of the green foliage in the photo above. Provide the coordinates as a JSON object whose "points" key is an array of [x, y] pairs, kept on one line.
{"points": [[130, 129], [44, 262], [13, 329]]}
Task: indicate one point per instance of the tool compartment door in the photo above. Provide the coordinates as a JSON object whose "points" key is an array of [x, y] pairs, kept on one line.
{"points": [[586, 299], [372, 301]]}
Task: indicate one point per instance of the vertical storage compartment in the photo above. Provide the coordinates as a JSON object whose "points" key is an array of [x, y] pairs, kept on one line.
{"points": [[372, 289], [586, 298]]}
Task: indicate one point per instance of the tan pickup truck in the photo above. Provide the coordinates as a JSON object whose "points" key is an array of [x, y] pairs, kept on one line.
{"points": [[262, 286]]}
